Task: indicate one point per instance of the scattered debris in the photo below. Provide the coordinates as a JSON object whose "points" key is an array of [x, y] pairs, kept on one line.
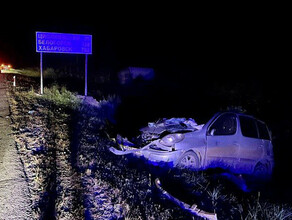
{"points": [[31, 112], [191, 208]]}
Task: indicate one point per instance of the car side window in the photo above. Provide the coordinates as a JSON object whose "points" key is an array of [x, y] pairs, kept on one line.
{"points": [[248, 127], [263, 131], [224, 125]]}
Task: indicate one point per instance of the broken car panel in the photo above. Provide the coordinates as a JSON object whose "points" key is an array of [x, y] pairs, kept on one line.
{"points": [[230, 140], [190, 208]]}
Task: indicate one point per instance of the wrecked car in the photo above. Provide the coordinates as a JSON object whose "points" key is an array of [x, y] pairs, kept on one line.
{"points": [[232, 140]]}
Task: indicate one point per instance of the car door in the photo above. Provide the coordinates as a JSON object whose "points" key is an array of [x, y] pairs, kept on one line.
{"points": [[222, 141], [266, 142], [251, 146]]}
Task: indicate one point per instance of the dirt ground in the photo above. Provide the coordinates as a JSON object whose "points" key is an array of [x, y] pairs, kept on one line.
{"points": [[71, 174], [14, 195]]}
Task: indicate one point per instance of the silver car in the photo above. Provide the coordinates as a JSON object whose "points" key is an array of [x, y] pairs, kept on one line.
{"points": [[229, 140]]}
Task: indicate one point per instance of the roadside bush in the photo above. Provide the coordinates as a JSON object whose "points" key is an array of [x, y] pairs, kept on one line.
{"points": [[61, 96], [50, 73], [258, 208]]}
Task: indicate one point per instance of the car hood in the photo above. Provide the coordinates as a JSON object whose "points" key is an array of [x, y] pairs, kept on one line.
{"points": [[157, 130], [171, 125]]}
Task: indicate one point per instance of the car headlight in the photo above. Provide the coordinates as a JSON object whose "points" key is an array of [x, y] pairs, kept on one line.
{"points": [[171, 139]]}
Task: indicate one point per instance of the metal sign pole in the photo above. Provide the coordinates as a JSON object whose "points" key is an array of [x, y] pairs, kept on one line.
{"points": [[85, 94], [41, 69]]}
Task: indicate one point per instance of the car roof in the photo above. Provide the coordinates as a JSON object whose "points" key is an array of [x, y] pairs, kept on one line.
{"points": [[239, 113]]}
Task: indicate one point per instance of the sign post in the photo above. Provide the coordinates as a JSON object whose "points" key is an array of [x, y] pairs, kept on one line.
{"points": [[85, 93], [41, 70], [48, 42]]}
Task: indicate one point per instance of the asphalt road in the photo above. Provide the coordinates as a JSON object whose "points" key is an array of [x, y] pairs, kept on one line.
{"points": [[14, 195]]}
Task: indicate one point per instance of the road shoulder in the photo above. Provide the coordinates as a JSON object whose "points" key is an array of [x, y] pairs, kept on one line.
{"points": [[14, 195]]}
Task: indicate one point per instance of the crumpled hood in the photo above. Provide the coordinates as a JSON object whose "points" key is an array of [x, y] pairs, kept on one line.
{"points": [[156, 130], [171, 125]]}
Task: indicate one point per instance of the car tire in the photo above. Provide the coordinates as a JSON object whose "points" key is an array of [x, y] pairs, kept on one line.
{"points": [[188, 160], [261, 171]]}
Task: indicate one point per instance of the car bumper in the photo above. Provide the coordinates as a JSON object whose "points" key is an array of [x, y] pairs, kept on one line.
{"points": [[156, 156]]}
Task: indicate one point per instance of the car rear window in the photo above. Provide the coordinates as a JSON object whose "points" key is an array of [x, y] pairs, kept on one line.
{"points": [[263, 130], [248, 127]]}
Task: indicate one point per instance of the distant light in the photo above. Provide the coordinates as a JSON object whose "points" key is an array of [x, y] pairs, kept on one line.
{"points": [[5, 67]]}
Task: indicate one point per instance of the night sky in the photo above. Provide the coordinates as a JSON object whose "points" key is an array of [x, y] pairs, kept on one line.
{"points": [[190, 46], [198, 51], [211, 40]]}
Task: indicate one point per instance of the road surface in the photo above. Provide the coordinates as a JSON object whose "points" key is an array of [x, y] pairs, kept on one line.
{"points": [[14, 196]]}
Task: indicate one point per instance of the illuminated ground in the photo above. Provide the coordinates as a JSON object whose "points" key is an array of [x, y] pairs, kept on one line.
{"points": [[71, 174], [14, 202]]}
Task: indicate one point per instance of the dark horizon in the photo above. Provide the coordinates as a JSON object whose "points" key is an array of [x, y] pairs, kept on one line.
{"points": [[209, 50], [213, 43]]}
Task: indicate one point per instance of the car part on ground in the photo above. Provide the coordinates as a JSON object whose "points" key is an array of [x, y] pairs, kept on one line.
{"points": [[190, 208]]}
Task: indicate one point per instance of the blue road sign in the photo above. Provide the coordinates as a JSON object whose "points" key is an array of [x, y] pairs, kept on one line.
{"points": [[48, 42]]}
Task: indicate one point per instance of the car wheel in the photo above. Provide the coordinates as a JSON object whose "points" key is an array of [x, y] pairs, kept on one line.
{"points": [[188, 160], [261, 171]]}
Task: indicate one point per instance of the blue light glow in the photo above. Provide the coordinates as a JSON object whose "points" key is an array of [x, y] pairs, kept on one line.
{"points": [[63, 43]]}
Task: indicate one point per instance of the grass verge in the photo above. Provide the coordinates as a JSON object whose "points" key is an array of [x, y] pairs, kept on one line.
{"points": [[71, 174]]}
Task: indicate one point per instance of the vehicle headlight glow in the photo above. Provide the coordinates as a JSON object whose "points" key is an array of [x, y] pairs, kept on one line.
{"points": [[171, 139]]}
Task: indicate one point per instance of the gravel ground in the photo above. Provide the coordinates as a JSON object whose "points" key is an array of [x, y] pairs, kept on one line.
{"points": [[14, 194]]}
